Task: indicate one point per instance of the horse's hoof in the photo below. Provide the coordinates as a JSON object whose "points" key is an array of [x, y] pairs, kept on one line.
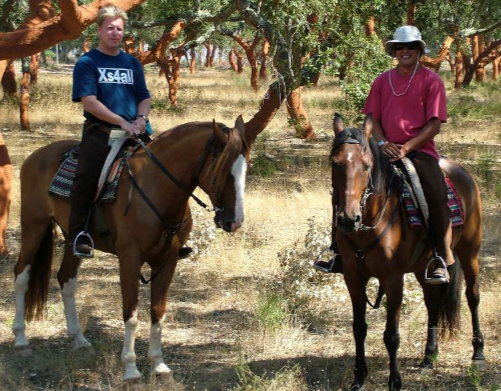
{"points": [[479, 365], [162, 370], [81, 344], [356, 387]]}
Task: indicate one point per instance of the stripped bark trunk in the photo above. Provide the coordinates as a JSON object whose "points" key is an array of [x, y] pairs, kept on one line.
{"points": [[269, 106], [193, 60], [175, 66], [263, 70], [299, 116], [86, 45], [6, 174], [208, 51], [458, 67], [34, 66], [212, 56], [496, 63], [9, 84], [25, 94], [240, 62], [232, 61]]}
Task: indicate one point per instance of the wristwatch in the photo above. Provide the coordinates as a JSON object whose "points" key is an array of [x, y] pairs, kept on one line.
{"points": [[381, 142], [146, 120]]}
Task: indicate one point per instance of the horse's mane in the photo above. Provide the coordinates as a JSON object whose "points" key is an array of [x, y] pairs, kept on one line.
{"points": [[381, 167]]}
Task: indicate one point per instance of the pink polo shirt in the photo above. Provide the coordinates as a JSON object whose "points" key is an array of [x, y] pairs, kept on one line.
{"points": [[403, 117]]}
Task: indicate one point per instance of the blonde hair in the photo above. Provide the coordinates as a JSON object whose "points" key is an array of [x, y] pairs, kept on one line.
{"points": [[110, 11]]}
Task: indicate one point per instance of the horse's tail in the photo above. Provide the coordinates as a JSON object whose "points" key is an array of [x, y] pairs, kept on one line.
{"points": [[449, 314], [38, 285]]}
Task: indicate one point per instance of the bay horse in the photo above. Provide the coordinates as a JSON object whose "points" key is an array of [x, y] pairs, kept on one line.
{"points": [[374, 240], [209, 155]]}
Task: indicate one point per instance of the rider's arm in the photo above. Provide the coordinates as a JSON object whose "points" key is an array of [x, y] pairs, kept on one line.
{"points": [[428, 132]]}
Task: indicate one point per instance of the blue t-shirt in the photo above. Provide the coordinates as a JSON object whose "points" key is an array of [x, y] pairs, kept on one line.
{"points": [[117, 82]]}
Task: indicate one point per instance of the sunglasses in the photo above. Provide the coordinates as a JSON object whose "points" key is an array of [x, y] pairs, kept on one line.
{"points": [[409, 46]]}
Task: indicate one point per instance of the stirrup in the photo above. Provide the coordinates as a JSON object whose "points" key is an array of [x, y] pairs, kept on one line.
{"points": [[79, 237], [443, 265], [329, 266]]}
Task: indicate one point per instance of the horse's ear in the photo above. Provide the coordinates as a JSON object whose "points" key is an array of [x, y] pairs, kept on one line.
{"points": [[337, 124], [219, 135], [240, 126], [368, 126]]}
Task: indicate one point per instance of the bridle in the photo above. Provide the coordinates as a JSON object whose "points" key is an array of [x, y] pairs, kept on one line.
{"points": [[348, 137]]}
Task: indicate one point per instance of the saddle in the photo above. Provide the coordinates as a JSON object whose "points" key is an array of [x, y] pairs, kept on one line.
{"points": [[62, 183], [415, 203]]}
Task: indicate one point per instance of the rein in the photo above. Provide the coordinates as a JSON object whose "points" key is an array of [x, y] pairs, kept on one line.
{"points": [[170, 228], [348, 137]]}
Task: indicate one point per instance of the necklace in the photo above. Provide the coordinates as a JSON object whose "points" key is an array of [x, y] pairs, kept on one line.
{"points": [[408, 84]]}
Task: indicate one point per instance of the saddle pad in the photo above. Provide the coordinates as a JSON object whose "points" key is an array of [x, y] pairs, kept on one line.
{"points": [[63, 180], [453, 200]]}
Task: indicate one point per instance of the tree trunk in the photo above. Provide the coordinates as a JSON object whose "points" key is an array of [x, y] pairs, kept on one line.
{"points": [[212, 56], [6, 174], [130, 45], [86, 45], [496, 63], [9, 83], [35, 60], [411, 13], [269, 107], [263, 71], [208, 51], [193, 60], [175, 66], [458, 66], [240, 62], [232, 61], [25, 94], [299, 117], [370, 27]]}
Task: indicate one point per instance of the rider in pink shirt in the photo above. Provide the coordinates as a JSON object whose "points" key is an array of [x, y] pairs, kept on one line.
{"points": [[408, 106]]}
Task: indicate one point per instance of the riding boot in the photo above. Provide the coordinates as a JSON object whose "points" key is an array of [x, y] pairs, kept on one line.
{"points": [[335, 264], [435, 191], [93, 152]]}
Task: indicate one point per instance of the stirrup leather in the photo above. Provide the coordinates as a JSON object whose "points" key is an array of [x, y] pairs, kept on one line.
{"points": [[80, 239]]}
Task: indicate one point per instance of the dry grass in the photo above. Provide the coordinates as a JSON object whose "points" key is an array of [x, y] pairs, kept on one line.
{"points": [[215, 337]]}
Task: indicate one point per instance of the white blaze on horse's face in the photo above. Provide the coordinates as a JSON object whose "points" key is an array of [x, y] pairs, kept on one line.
{"points": [[239, 171], [350, 157]]}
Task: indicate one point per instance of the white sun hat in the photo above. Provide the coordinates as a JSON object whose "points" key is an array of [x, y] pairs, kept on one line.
{"points": [[405, 34]]}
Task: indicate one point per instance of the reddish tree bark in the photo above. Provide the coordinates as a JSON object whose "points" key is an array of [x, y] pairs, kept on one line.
{"points": [[86, 45], [263, 70], [411, 13], [458, 67], [6, 174], [208, 51], [481, 60], [240, 62], [250, 51], [9, 83], [370, 27], [434, 62], [193, 60], [269, 107], [46, 27], [232, 60], [212, 56], [25, 94], [299, 115], [496, 63], [173, 80], [34, 65], [130, 45]]}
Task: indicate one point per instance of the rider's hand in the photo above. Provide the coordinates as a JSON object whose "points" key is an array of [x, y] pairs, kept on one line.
{"points": [[133, 128], [392, 151], [141, 122]]}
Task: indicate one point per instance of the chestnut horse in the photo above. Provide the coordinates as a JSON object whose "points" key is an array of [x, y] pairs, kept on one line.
{"points": [[204, 154], [374, 240]]}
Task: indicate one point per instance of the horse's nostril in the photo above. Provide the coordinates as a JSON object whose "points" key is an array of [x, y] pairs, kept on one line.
{"points": [[358, 218]]}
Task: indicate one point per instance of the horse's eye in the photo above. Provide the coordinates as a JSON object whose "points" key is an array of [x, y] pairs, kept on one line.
{"points": [[367, 168]]}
